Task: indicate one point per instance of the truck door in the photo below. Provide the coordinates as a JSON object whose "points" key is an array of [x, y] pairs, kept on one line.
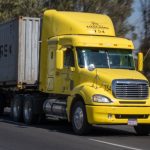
{"points": [[69, 71], [51, 67]]}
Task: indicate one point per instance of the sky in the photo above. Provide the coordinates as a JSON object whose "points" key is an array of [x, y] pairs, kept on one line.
{"points": [[136, 20]]}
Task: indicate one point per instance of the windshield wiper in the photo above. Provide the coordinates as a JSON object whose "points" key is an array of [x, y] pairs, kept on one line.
{"points": [[123, 68]]}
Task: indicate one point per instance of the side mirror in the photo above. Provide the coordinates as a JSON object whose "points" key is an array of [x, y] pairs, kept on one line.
{"points": [[59, 59], [140, 62], [91, 67]]}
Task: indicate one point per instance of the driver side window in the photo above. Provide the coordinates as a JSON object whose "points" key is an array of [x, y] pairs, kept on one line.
{"points": [[69, 58]]}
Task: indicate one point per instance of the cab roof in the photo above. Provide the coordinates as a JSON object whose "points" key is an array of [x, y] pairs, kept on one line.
{"points": [[77, 23]]}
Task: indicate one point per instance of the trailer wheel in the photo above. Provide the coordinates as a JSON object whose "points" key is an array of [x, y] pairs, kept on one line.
{"points": [[142, 129], [79, 119], [1, 105], [28, 111], [17, 108]]}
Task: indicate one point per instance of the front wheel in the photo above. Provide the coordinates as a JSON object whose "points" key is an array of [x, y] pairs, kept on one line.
{"points": [[79, 119], [142, 129]]}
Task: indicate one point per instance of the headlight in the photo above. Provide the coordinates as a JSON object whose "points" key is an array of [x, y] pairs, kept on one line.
{"points": [[101, 99]]}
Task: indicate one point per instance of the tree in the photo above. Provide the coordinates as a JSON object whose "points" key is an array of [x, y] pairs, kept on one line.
{"points": [[145, 46], [7, 9], [14, 8], [31, 7]]}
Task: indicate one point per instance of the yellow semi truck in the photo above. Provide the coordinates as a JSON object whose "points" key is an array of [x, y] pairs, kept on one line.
{"points": [[80, 72]]}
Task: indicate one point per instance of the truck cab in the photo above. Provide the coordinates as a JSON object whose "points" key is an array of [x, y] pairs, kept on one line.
{"points": [[91, 72]]}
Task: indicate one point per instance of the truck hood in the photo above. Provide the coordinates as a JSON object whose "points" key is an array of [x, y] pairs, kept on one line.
{"points": [[106, 76]]}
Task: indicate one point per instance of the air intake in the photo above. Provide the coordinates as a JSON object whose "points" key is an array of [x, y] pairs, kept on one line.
{"points": [[130, 89]]}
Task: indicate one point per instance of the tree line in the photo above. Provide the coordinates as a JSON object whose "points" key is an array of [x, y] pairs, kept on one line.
{"points": [[145, 43]]}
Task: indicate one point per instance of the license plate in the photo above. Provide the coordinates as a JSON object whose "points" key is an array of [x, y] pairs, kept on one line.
{"points": [[132, 122]]}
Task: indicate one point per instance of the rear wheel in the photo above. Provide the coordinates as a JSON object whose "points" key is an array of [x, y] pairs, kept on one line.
{"points": [[17, 108], [28, 111], [79, 119], [142, 129]]}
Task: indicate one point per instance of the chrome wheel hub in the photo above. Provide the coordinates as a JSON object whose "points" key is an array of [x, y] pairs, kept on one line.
{"points": [[78, 118]]}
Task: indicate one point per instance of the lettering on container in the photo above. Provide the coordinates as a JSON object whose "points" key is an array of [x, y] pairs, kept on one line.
{"points": [[5, 50]]}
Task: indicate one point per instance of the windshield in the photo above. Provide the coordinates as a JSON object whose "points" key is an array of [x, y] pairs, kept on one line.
{"points": [[105, 58]]}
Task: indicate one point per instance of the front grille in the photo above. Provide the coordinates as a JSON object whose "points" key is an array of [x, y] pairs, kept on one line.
{"points": [[130, 89]]}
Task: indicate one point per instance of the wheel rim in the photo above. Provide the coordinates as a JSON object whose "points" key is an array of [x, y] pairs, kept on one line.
{"points": [[27, 111], [78, 118], [16, 109]]}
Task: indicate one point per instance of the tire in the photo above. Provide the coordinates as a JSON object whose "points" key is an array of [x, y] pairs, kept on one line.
{"points": [[79, 119], [17, 108], [28, 111], [1, 105], [142, 129]]}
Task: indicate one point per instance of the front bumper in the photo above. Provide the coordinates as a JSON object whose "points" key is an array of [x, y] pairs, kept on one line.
{"points": [[117, 115]]}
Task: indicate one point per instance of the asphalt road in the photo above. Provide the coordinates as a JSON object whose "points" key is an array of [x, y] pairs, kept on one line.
{"points": [[58, 135]]}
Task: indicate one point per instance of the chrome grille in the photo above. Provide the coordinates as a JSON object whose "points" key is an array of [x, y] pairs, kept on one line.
{"points": [[130, 89]]}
